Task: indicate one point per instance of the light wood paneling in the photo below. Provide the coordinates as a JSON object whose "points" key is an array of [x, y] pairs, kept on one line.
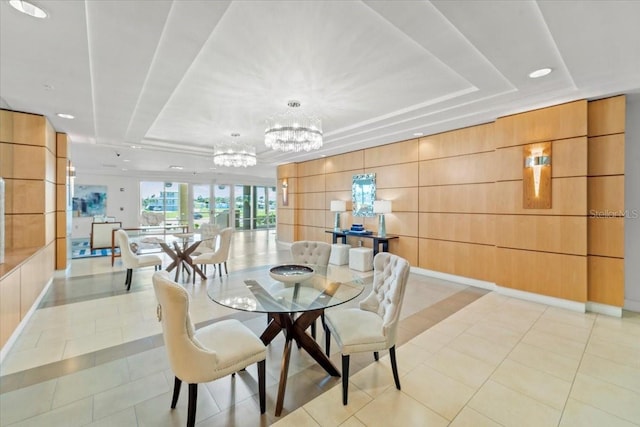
{"points": [[404, 175], [24, 196], [402, 223], [61, 197], [50, 227], [22, 161], [36, 272], [310, 184], [61, 253], [606, 155], [287, 170], [403, 199], [286, 216], [62, 146], [312, 201], [606, 195], [607, 116], [606, 236], [472, 168], [31, 231], [353, 161], [50, 165], [340, 181], [9, 305], [560, 234], [471, 228], [569, 197], [407, 248], [606, 280], [547, 124], [391, 154], [23, 128], [556, 275], [61, 170], [461, 259], [312, 167], [50, 140], [285, 232], [61, 224], [49, 196], [468, 198], [475, 139], [569, 159], [313, 218]]}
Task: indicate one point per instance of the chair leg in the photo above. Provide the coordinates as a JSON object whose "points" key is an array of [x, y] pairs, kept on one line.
{"points": [[327, 341], [394, 366], [220, 268], [127, 281], [176, 392], [376, 355], [193, 398], [225, 268], [261, 385], [345, 378]]}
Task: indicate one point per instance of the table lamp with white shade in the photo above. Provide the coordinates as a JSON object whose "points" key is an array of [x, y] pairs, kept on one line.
{"points": [[338, 206], [382, 207]]}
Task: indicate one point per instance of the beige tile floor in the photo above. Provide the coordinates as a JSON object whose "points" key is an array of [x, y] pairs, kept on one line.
{"points": [[92, 355]]}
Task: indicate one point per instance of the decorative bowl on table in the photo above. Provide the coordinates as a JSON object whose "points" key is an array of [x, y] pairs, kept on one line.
{"points": [[291, 273]]}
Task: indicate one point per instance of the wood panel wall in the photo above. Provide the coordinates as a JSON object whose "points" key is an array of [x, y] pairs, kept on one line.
{"points": [[29, 163], [457, 201], [605, 223]]}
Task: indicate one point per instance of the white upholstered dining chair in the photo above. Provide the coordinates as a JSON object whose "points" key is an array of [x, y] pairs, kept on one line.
{"points": [[206, 354], [130, 260], [220, 255], [373, 325]]}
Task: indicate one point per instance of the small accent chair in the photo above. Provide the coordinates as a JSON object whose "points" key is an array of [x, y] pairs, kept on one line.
{"points": [[130, 260], [208, 238], [372, 326], [315, 253], [220, 255], [205, 355]]}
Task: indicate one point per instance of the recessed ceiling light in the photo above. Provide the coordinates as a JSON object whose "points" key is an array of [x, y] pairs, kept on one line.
{"points": [[136, 147], [176, 167], [65, 116], [126, 160], [28, 8], [540, 73], [418, 134]]}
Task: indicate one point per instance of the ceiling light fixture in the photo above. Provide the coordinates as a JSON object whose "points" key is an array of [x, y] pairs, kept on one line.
{"points": [[234, 154], [66, 116], [293, 131], [418, 134], [540, 73], [28, 8], [176, 167]]}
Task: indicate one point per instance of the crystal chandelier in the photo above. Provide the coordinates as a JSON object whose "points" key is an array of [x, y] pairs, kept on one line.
{"points": [[234, 154], [293, 132]]}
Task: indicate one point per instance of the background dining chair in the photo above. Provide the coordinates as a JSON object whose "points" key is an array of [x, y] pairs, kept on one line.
{"points": [[206, 354], [315, 253], [130, 260], [208, 238], [373, 326], [220, 255]]}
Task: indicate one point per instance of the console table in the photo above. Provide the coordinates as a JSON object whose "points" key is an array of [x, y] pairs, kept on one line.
{"points": [[377, 240]]}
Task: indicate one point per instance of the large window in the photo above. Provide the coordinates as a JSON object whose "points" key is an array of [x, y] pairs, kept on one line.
{"points": [[201, 206], [167, 199], [222, 207]]}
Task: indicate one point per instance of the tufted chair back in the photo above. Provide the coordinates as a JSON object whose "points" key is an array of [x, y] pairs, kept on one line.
{"points": [[390, 277], [209, 234], [310, 252]]}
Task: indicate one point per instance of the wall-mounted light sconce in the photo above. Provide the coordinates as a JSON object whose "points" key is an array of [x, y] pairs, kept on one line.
{"points": [[537, 176], [382, 207], [338, 206], [285, 192]]}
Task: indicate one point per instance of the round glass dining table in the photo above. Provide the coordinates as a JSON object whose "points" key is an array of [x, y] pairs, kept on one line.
{"points": [[292, 304]]}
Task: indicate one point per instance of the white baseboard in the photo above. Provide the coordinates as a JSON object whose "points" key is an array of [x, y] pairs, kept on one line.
{"points": [[609, 310], [490, 286], [14, 336]]}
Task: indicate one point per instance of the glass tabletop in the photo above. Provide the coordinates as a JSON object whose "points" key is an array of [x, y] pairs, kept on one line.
{"points": [[255, 290]]}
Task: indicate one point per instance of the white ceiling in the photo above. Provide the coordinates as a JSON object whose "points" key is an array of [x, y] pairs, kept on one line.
{"points": [[177, 76]]}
